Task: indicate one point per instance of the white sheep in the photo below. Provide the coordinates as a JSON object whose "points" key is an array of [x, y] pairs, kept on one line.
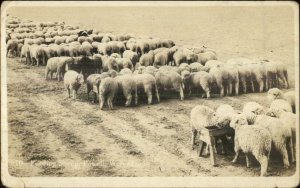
{"points": [[201, 117], [73, 81], [276, 93], [289, 120], [107, 91], [223, 115], [281, 135], [253, 107], [222, 118], [251, 139], [282, 105]]}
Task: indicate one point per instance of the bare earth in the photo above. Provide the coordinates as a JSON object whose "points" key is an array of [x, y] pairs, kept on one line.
{"points": [[51, 135]]}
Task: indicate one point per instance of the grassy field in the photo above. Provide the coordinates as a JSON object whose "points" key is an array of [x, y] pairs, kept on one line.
{"points": [[51, 135]]}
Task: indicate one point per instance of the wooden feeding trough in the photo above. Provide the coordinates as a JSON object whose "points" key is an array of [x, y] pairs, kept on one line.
{"points": [[208, 136]]}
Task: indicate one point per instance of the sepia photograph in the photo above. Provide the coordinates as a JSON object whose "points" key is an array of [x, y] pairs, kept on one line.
{"points": [[150, 94]]}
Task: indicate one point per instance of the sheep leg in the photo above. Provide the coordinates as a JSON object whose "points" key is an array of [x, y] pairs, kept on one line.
{"points": [[229, 89], [286, 80], [101, 101], [237, 86], [109, 101], [268, 82], [157, 94], [58, 74], [244, 84], [236, 156], [181, 92], [291, 148], [222, 91], [285, 157], [149, 94], [247, 160], [128, 100], [46, 73], [261, 86], [207, 149], [263, 160], [74, 94], [136, 97], [207, 94], [252, 85], [26, 60]]}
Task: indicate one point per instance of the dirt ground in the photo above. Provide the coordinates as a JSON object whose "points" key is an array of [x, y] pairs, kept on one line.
{"points": [[52, 135]]}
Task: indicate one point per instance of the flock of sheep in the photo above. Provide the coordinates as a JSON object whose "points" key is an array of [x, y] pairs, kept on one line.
{"points": [[257, 130], [129, 65]]}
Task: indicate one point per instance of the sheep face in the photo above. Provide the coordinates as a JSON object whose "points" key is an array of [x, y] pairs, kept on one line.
{"points": [[274, 93], [112, 73], [272, 112], [238, 120], [80, 78]]}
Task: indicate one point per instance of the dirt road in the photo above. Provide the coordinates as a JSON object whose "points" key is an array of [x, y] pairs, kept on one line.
{"points": [[50, 134]]}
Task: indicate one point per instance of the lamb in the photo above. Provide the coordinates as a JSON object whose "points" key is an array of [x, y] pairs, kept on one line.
{"points": [[276, 93], [251, 139], [282, 105], [107, 91], [281, 136], [73, 81]]}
